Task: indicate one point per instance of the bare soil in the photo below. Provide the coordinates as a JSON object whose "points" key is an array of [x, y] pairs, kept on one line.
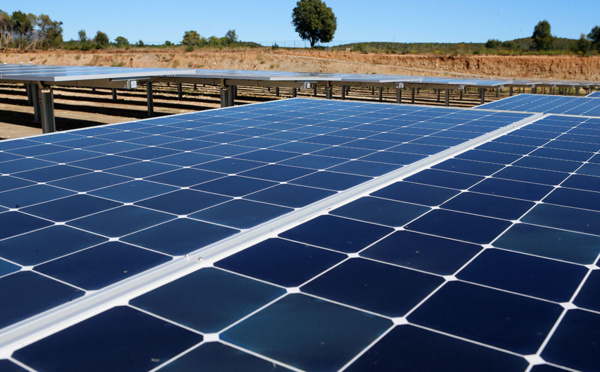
{"points": [[84, 107]]}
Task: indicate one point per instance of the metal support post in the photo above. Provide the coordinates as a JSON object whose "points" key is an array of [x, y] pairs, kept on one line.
{"points": [[35, 98], [380, 94], [461, 94], [412, 98], [294, 92], [150, 99], [497, 92], [195, 86], [447, 97], [343, 92], [373, 91], [438, 94], [315, 88], [47, 101], [114, 94], [482, 94], [399, 95], [510, 91], [329, 92], [180, 90], [28, 89], [277, 91]]}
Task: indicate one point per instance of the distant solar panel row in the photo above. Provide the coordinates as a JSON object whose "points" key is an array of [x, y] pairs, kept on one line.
{"points": [[594, 95], [76, 199], [564, 105]]}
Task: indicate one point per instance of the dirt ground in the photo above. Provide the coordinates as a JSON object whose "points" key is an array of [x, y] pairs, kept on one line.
{"points": [[84, 107]]}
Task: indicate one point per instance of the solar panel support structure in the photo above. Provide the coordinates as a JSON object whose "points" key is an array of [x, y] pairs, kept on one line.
{"points": [[114, 94], [482, 95], [380, 94], [412, 97], [343, 92], [35, 99], [447, 98], [180, 90], [150, 99], [329, 92], [399, 88], [294, 92], [28, 89], [47, 101]]}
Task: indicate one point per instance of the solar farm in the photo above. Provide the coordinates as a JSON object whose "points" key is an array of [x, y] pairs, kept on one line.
{"points": [[303, 234]]}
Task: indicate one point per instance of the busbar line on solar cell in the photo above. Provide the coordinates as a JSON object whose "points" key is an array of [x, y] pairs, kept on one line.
{"points": [[105, 130]]}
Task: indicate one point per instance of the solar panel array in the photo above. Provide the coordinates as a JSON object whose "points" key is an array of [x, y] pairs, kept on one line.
{"points": [[484, 261], [565, 105]]}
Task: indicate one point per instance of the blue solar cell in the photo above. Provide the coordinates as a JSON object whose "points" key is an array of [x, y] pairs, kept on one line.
{"points": [[462, 226], [51, 173], [120, 338], [290, 195], [308, 333], [180, 236], [545, 177], [141, 169], [133, 191], [90, 181], [513, 189], [185, 177], [562, 154], [69, 156], [422, 252], [489, 156], [115, 147], [524, 274], [588, 295], [120, 221], [15, 223], [71, 207], [38, 150], [398, 158], [8, 366], [186, 159], [103, 265], [276, 172], [187, 145], [314, 161], [417, 349], [548, 164], [336, 233], [551, 243], [330, 180], [269, 156], [577, 181], [234, 185], [104, 162], [589, 169], [381, 211], [574, 198], [7, 267], [10, 183], [377, 287], [364, 168], [564, 218], [214, 356], [487, 205], [469, 167], [281, 262], [230, 165], [445, 179], [219, 299], [183, 202], [42, 245], [508, 321], [416, 193], [575, 342], [31, 294], [506, 148], [148, 153]]}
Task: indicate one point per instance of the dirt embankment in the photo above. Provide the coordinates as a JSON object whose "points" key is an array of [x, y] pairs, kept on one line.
{"points": [[528, 67]]}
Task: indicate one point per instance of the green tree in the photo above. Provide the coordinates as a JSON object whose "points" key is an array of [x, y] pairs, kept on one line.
{"points": [[191, 40], [594, 37], [82, 36], [6, 27], [231, 37], [493, 44], [50, 31], [582, 45], [101, 40], [314, 21], [140, 44], [542, 38], [22, 27], [122, 42]]}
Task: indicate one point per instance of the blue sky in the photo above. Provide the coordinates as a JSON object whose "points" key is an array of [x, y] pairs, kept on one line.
{"points": [[269, 21]]}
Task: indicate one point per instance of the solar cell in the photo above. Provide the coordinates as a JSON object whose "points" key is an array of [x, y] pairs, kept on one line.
{"points": [[356, 285], [547, 104]]}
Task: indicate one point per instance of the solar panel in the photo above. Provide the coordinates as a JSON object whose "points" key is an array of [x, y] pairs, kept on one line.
{"points": [[546, 104], [594, 95], [357, 286]]}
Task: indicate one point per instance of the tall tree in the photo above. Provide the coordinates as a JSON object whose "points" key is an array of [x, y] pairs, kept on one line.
{"points": [[314, 21], [50, 31], [122, 42], [594, 37], [191, 39], [22, 27], [542, 38], [101, 40]]}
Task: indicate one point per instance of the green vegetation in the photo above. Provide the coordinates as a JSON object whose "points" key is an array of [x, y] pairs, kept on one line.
{"points": [[314, 21], [542, 38]]}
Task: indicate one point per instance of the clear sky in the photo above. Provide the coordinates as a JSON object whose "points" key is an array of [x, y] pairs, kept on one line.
{"points": [[269, 21]]}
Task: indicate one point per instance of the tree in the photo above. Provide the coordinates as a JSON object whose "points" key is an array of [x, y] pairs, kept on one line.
{"points": [[6, 29], [542, 38], [191, 39], [82, 36], [22, 27], [101, 40], [493, 44], [231, 37], [594, 37], [314, 21], [50, 31], [582, 45], [122, 42]]}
